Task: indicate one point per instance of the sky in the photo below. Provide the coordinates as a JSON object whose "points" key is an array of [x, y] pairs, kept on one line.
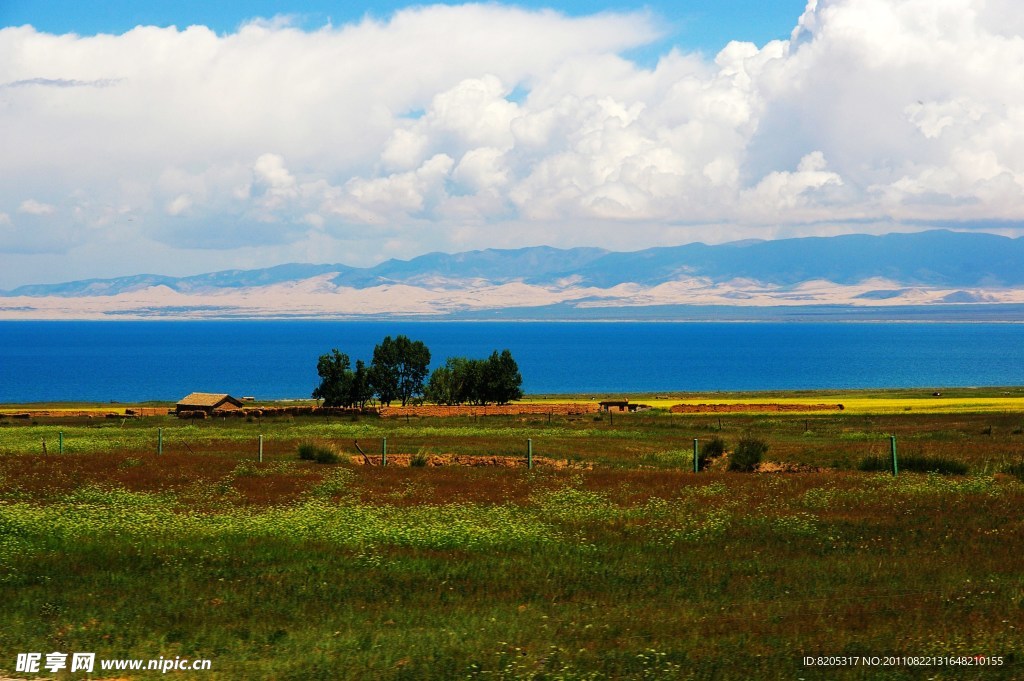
{"points": [[186, 137]]}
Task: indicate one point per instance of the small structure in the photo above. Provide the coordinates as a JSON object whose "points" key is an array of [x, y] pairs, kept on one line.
{"points": [[621, 405], [211, 403]]}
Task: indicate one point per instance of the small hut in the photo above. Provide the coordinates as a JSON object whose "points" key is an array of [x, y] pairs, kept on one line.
{"points": [[622, 405], [211, 403], [615, 405]]}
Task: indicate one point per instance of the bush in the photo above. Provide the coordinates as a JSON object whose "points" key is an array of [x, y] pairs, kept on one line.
{"points": [[915, 464], [747, 455], [1016, 470], [712, 449], [418, 460], [309, 451]]}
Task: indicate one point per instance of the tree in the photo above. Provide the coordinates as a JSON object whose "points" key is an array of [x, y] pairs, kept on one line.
{"points": [[504, 382], [476, 381], [360, 391], [441, 388], [398, 369], [335, 379]]}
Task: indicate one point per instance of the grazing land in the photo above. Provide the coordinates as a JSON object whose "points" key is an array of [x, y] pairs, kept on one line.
{"points": [[610, 559]]}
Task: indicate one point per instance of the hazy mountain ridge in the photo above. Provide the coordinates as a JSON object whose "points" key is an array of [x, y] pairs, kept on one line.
{"points": [[935, 258], [948, 273]]}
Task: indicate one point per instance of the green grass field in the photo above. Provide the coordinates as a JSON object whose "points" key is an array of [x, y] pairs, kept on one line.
{"points": [[621, 565]]}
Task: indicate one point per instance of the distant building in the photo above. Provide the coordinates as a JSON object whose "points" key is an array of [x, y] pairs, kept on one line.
{"points": [[211, 403], [621, 405]]}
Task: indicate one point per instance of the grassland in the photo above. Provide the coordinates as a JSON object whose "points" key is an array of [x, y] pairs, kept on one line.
{"points": [[627, 566]]}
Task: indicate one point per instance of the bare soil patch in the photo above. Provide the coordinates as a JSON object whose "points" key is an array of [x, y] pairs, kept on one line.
{"points": [[435, 460]]}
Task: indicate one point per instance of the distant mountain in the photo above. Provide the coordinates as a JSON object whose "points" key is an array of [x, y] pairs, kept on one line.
{"points": [[924, 268], [935, 258]]}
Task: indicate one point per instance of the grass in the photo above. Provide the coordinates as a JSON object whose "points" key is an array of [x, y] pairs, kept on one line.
{"points": [[634, 569], [920, 464]]}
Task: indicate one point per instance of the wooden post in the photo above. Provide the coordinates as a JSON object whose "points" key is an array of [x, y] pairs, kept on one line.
{"points": [[44, 446], [696, 457], [529, 453], [895, 463], [261, 449], [384, 452]]}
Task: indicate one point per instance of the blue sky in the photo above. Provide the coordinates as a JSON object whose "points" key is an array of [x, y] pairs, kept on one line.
{"points": [[228, 143], [693, 24]]}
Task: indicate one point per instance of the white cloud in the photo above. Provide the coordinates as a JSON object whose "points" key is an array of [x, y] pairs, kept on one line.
{"points": [[476, 125], [179, 205], [33, 207]]}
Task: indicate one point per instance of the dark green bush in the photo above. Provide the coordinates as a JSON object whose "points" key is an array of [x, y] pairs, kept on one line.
{"points": [[747, 455], [875, 463], [418, 460], [712, 449], [1016, 470], [915, 464], [309, 451]]}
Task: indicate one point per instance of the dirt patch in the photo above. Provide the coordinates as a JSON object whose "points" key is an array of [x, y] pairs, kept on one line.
{"points": [[434, 460], [721, 464], [771, 407], [785, 467]]}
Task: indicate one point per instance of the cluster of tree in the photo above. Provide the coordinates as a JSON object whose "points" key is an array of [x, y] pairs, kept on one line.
{"points": [[399, 369], [397, 372], [476, 381]]}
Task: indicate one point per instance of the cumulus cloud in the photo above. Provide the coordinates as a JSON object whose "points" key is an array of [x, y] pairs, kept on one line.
{"points": [[33, 207], [478, 125]]}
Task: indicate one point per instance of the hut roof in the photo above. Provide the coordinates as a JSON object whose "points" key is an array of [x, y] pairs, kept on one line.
{"points": [[206, 399]]}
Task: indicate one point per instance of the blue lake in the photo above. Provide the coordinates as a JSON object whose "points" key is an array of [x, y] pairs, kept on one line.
{"points": [[153, 360]]}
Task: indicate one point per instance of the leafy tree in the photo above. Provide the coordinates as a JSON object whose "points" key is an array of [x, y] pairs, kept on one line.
{"points": [[398, 369], [336, 379], [476, 381], [443, 386], [360, 391], [504, 382]]}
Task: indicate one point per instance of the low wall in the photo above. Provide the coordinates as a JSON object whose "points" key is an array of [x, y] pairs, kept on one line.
{"points": [[560, 409]]}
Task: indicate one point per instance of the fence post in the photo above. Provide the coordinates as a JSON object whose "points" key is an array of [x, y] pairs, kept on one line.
{"points": [[159, 441], [261, 448], [529, 453], [60, 442], [696, 457], [384, 452], [895, 463]]}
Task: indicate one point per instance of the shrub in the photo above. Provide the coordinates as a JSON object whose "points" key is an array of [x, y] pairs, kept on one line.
{"points": [[1016, 470], [712, 449], [915, 464], [419, 460], [309, 451], [747, 455], [875, 463]]}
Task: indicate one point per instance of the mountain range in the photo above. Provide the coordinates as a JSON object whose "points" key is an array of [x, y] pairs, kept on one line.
{"points": [[934, 269]]}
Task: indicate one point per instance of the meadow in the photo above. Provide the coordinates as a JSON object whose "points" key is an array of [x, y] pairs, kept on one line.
{"points": [[620, 563]]}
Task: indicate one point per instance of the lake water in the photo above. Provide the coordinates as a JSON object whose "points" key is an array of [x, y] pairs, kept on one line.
{"points": [[151, 360]]}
